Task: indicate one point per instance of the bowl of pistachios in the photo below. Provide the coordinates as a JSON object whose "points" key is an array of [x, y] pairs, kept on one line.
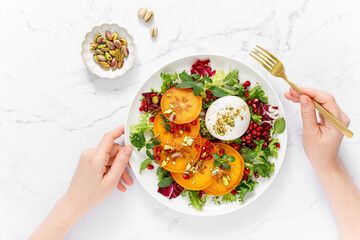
{"points": [[108, 51]]}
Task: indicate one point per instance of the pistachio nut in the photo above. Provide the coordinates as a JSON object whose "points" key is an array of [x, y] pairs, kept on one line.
{"points": [[96, 37], [123, 41], [100, 58], [98, 51], [155, 99], [105, 49], [104, 65], [114, 36], [141, 13], [112, 53], [93, 46], [113, 64], [108, 56], [117, 43], [101, 46], [225, 180], [153, 31], [94, 56], [108, 35], [118, 55], [120, 64], [110, 45], [101, 40], [148, 16], [125, 50]]}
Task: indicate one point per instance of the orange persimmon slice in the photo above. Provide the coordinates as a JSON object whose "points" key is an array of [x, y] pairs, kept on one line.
{"points": [[176, 139], [201, 177], [235, 173], [176, 161], [185, 105]]}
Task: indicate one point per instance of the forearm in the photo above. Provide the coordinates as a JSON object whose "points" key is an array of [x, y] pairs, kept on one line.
{"points": [[59, 221], [344, 197]]}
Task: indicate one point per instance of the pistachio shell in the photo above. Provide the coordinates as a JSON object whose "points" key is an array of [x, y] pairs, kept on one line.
{"points": [[125, 51], [104, 65], [123, 41], [105, 49], [120, 64], [108, 35], [225, 180], [100, 58], [114, 36], [110, 45], [96, 37], [98, 51], [108, 56], [148, 16], [153, 31], [141, 13], [117, 43], [101, 46], [101, 40]]}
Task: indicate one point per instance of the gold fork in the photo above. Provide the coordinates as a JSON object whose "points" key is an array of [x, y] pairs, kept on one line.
{"points": [[276, 68]]}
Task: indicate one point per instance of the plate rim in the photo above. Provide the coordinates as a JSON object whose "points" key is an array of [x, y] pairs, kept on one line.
{"points": [[201, 213]]}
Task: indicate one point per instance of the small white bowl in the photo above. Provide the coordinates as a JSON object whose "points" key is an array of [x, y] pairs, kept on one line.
{"points": [[87, 54]]}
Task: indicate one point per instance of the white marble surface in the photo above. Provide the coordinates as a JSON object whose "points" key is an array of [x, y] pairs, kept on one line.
{"points": [[52, 107]]}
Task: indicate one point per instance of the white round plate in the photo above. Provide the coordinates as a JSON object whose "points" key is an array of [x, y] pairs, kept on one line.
{"points": [[148, 178], [87, 54]]}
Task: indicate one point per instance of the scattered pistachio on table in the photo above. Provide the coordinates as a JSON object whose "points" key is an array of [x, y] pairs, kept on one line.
{"points": [[148, 16], [141, 13], [110, 50], [153, 31]]}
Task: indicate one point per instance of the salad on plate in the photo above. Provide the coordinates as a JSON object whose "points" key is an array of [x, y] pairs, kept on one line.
{"points": [[210, 134]]}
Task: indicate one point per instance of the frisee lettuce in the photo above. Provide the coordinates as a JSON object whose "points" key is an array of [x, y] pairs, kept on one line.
{"points": [[144, 124], [169, 81], [193, 196]]}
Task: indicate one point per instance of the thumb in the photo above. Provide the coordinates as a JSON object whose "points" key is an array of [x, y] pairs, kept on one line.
{"points": [[308, 113], [120, 163]]}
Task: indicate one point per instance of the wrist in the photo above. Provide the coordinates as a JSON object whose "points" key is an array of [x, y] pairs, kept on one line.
{"points": [[325, 166]]}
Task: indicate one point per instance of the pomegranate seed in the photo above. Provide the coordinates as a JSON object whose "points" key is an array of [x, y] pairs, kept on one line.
{"points": [[247, 172], [145, 109], [254, 132], [197, 146], [214, 98], [153, 94], [203, 149], [264, 146], [176, 127], [246, 94], [222, 151], [257, 138], [234, 192], [255, 125], [207, 150], [258, 134], [253, 105], [188, 129], [186, 176], [245, 177], [207, 143], [233, 144], [254, 110], [194, 122], [160, 96], [151, 119], [169, 151], [157, 157], [207, 100], [208, 95], [208, 92], [211, 147], [172, 130], [237, 147], [180, 187], [248, 137], [209, 157], [249, 102], [259, 128], [141, 109], [247, 169], [150, 167], [256, 176], [222, 168], [143, 103], [247, 84], [277, 145], [243, 138], [243, 143], [256, 100], [158, 150]]}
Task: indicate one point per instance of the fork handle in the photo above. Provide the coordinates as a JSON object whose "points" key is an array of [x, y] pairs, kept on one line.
{"points": [[342, 128]]}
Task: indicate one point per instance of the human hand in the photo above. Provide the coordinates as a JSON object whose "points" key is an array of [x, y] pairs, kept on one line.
{"points": [[321, 139], [99, 171]]}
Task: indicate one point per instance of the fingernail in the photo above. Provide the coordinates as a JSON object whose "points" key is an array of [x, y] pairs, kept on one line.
{"points": [[304, 101], [128, 150]]}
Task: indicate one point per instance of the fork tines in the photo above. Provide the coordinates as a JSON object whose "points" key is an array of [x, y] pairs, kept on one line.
{"points": [[264, 58]]}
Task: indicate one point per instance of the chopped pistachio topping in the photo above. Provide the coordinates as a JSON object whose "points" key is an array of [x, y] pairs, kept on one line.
{"points": [[188, 141], [169, 111], [225, 120]]}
